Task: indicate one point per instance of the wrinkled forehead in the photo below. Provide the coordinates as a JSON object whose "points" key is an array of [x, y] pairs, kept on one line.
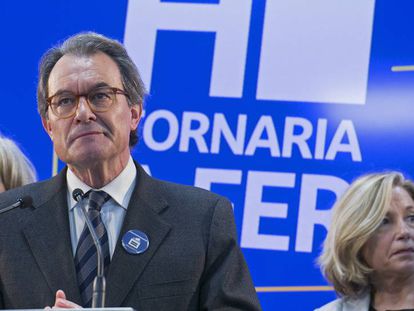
{"points": [[78, 74], [401, 201]]}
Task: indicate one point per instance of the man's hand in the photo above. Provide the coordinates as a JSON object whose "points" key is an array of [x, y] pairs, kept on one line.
{"points": [[62, 303]]}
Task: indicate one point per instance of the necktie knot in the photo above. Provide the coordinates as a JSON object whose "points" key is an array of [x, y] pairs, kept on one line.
{"points": [[97, 199]]}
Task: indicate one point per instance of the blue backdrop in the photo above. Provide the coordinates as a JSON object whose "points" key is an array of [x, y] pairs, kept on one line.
{"points": [[276, 104]]}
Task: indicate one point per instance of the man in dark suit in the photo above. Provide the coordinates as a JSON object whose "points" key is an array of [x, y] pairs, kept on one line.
{"points": [[90, 99]]}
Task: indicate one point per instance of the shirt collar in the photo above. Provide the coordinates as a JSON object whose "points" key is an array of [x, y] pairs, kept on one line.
{"points": [[118, 189]]}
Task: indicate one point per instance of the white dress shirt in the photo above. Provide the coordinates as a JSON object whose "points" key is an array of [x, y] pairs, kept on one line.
{"points": [[113, 211]]}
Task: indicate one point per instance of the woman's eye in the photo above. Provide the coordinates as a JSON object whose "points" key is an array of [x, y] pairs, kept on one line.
{"points": [[385, 221]]}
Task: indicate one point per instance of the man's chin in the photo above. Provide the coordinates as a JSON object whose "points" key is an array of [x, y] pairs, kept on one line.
{"points": [[86, 159]]}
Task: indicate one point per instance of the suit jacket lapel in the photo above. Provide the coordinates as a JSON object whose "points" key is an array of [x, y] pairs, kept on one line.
{"points": [[48, 236], [142, 214]]}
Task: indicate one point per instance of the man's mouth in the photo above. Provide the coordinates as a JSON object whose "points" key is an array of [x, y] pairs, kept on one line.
{"points": [[87, 134]]}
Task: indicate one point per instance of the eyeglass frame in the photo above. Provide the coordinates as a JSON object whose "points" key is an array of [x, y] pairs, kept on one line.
{"points": [[115, 91]]}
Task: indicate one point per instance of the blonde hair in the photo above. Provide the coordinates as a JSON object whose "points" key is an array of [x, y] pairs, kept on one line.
{"points": [[15, 168], [356, 216]]}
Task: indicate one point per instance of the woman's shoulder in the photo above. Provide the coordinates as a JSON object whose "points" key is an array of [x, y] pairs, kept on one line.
{"points": [[331, 306], [347, 304]]}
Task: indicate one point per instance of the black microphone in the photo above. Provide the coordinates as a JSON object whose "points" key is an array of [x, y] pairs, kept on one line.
{"points": [[99, 284], [23, 202]]}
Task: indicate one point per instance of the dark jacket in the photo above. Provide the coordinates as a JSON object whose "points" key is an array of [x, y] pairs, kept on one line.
{"points": [[193, 261]]}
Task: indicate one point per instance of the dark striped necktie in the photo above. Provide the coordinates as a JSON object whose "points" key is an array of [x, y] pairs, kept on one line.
{"points": [[86, 257]]}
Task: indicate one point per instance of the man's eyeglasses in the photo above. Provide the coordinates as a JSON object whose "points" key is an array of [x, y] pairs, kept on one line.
{"points": [[64, 104]]}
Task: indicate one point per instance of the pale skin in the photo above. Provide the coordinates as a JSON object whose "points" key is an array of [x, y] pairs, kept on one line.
{"points": [[62, 303], [390, 252], [95, 146]]}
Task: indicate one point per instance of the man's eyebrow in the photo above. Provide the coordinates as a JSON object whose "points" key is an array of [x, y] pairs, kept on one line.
{"points": [[99, 84], [95, 86]]}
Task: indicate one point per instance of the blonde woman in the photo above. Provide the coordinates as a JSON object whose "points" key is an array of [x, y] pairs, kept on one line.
{"points": [[15, 168], [368, 254]]}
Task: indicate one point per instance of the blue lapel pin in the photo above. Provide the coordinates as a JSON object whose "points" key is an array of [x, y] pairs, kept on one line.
{"points": [[135, 242]]}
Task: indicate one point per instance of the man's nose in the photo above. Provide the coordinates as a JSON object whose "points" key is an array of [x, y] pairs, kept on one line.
{"points": [[83, 110]]}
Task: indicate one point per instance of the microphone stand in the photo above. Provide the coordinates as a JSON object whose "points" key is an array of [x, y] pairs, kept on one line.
{"points": [[99, 284]]}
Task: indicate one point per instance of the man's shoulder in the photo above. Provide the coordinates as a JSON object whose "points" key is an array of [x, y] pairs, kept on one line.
{"points": [[189, 200], [186, 193], [174, 191]]}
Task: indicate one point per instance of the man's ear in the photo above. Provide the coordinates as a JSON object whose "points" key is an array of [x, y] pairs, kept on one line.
{"points": [[47, 127], [136, 113]]}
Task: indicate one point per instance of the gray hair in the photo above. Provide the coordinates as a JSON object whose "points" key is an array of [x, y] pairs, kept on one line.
{"points": [[15, 168], [87, 44]]}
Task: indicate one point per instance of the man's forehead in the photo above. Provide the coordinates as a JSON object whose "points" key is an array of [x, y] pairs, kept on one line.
{"points": [[78, 73]]}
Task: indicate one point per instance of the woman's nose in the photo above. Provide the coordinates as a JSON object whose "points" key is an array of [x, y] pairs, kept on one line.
{"points": [[403, 230]]}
